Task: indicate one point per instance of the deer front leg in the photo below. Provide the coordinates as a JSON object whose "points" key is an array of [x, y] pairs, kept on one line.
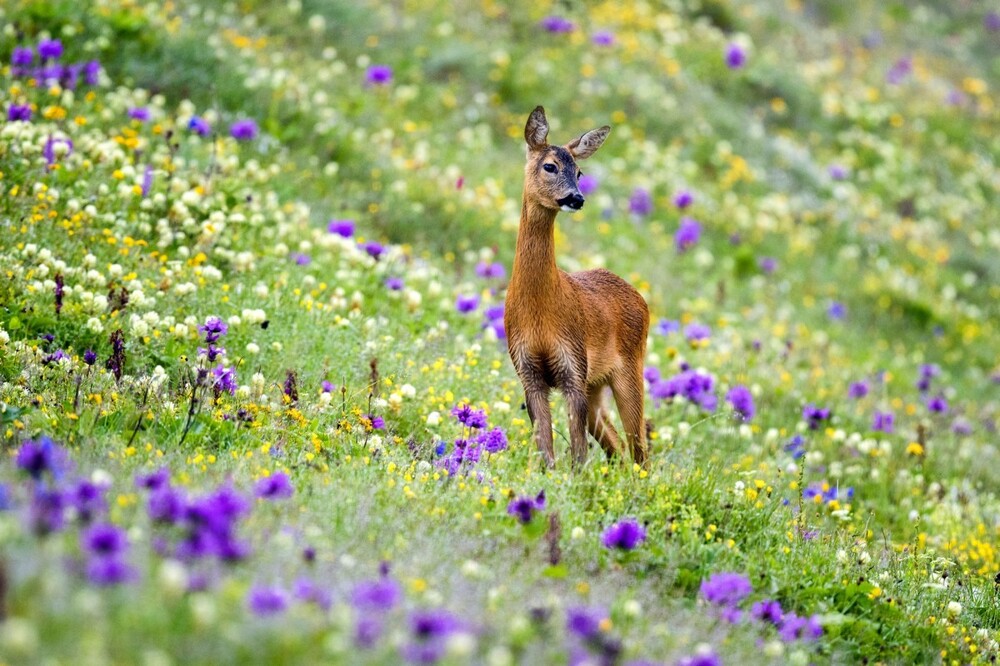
{"points": [[576, 402]]}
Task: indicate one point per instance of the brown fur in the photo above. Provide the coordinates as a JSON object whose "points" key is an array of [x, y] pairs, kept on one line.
{"points": [[576, 332]]}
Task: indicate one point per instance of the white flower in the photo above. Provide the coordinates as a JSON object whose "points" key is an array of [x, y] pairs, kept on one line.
{"points": [[433, 419], [954, 608], [252, 348], [94, 325]]}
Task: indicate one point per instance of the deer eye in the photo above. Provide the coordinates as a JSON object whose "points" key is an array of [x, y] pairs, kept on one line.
{"points": [[551, 168]]}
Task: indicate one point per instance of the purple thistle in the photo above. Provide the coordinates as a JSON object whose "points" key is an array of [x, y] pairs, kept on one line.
{"points": [[726, 588], [274, 487], [244, 129], [626, 535], [378, 75], [342, 228], [742, 401], [265, 601]]}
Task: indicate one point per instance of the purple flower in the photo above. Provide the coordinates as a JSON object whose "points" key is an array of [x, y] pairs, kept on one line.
{"points": [[264, 601], [992, 22], [50, 49], [736, 57], [36, 457], [373, 249], [367, 632], [467, 302], [836, 310], [524, 507], [815, 415], [309, 592], [469, 417], [587, 184], [585, 622], [19, 113], [244, 129], [688, 234], [213, 329], [225, 379], [602, 38], [796, 447], [742, 401], [87, 499], [394, 283], [493, 441], [377, 422], [837, 172], [768, 610], [704, 659], [928, 371], [343, 228], [49, 151], [22, 56], [107, 571], [961, 427], [376, 596], [493, 270], [166, 505], [147, 180], [624, 535], [47, 511], [883, 422], [640, 202], [140, 113], [695, 332], [767, 265], [557, 24], [726, 588], [899, 71], [667, 326], [199, 126], [683, 199], [690, 384], [301, 259], [857, 390], [795, 628], [937, 404], [154, 480], [274, 487], [104, 540], [378, 75], [91, 72], [327, 386]]}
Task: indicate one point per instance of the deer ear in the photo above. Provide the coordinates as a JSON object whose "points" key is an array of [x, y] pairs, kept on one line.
{"points": [[537, 129], [587, 145]]}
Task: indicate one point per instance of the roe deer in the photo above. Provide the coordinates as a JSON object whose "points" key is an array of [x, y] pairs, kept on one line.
{"points": [[577, 332]]}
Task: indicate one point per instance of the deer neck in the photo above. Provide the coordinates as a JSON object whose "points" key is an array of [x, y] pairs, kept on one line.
{"points": [[535, 277]]}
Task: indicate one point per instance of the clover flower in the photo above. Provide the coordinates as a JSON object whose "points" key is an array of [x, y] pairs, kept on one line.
{"points": [[626, 535]]}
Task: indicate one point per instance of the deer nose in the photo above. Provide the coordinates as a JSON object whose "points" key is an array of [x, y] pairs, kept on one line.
{"points": [[572, 202]]}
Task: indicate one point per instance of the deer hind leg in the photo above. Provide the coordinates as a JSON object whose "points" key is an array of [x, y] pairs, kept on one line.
{"points": [[628, 388], [536, 397], [598, 422]]}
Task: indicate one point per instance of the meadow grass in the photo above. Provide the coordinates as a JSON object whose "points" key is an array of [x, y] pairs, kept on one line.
{"points": [[233, 362]]}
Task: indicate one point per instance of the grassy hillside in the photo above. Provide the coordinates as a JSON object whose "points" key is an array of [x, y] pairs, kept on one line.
{"points": [[255, 400]]}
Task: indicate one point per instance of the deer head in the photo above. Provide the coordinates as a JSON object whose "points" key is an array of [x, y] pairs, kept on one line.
{"points": [[551, 174]]}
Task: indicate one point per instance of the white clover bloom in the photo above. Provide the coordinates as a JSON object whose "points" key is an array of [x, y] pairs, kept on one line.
{"points": [[94, 324], [433, 419], [408, 391], [252, 348]]}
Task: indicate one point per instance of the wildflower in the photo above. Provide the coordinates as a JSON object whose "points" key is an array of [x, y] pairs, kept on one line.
{"points": [[768, 610], [50, 49], [836, 310], [767, 265], [154, 480], [602, 38], [264, 601], [697, 332], [19, 112], [56, 147], [199, 126], [857, 390], [327, 386], [688, 234], [22, 56], [342, 228], [683, 198], [587, 184], [166, 505], [147, 180], [742, 401], [736, 56], [837, 172], [493, 270], [795, 628], [309, 592], [367, 631], [467, 303], [394, 283], [641, 202], [557, 24], [726, 588], [992, 22], [706, 658], [104, 539], [667, 326], [624, 535], [928, 372], [376, 422], [140, 113], [469, 417], [213, 329], [524, 508], [961, 427], [290, 387], [41, 456], [373, 249], [691, 384], [273, 487], [584, 622], [429, 631], [378, 75], [379, 595], [91, 72], [244, 129], [225, 379], [493, 441], [883, 422], [54, 357], [937, 404], [796, 447], [899, 71], [815, 415], [107, 571], [46, 513], [87, 500]]}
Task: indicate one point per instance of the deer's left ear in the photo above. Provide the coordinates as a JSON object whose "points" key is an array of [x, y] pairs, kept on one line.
{"points": [[586, 145]]}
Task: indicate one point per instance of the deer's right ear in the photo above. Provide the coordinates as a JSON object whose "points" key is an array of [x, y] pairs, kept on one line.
{"points": [[537, 129]]}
